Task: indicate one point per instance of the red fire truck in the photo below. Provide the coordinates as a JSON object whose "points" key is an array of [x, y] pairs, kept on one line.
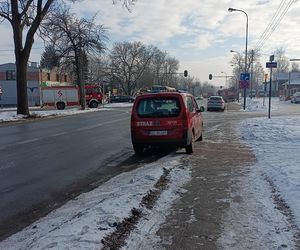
{"points": [[63, 96], [93, 96]]}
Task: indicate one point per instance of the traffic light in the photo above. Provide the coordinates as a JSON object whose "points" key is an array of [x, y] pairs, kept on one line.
{"points": [[185, 73], [210, 76]]}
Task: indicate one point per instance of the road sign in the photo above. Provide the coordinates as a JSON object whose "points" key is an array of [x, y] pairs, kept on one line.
{"points": [[244, 84], [245, 76], [244, 80], [271, 65]]}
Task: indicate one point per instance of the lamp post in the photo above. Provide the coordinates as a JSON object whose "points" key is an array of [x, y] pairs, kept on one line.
{"points": [[231, 10], [225, 78]]}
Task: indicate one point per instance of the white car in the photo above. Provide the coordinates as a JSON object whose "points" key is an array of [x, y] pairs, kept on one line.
{"points": [[295, 98], [215, 103]]}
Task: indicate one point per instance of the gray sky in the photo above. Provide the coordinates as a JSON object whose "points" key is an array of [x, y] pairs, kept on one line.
{"points": [[198, 33]]}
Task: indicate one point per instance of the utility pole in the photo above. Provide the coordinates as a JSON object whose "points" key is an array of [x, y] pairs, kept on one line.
{"points": [[251, 79], [270, 65], [265, 88], [270, 93]]}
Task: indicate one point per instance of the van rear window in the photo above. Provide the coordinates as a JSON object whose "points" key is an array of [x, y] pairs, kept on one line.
{"points": [[158, 107]]}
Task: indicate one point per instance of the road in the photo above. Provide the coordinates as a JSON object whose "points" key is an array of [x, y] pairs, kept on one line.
{"points": [[44, 163]]}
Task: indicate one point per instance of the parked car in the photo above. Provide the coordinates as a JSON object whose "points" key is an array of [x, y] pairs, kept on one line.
{"points": [[252, 93], [166, 119], [215, 103], [295, 98], [120, 98], [262, 93]]}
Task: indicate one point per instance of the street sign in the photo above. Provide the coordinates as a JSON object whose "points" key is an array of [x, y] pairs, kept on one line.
{"points": [[244, 84], [244, 80], [271, 65], [245, 76]]}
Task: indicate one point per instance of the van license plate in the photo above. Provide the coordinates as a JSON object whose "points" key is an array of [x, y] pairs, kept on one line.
{"points": [[158, 132]]}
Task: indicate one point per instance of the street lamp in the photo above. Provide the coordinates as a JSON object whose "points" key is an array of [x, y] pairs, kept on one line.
{"points": [[225, 78], [231, 10]]}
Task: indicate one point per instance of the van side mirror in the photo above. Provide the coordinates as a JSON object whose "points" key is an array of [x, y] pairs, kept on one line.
{"points": [[201, 109]]}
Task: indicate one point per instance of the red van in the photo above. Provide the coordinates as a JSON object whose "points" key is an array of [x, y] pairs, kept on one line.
{"points": [[166, 119]]}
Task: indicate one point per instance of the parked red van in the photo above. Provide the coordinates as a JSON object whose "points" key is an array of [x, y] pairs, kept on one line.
{"points": [[166, 119]]}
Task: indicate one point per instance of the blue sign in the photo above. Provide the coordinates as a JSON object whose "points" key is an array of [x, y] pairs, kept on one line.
{"points": [[245, 76]]}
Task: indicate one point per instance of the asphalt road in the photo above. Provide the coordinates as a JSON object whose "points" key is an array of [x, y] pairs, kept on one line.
{"points": [[45, 160]]}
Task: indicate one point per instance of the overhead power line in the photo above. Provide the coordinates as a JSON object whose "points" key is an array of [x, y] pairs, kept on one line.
{"points": [[274, 23], [263, 35]]}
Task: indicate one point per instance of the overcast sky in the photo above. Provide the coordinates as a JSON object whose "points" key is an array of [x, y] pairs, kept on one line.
{"points": [[199, 34]]}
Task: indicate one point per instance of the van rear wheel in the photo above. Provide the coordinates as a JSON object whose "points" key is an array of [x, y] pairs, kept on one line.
{"points": [[201, 137], [138, 149]]}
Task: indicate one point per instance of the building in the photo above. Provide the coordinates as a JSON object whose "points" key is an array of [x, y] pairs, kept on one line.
{"points": [[289, 84], [36, 78]]}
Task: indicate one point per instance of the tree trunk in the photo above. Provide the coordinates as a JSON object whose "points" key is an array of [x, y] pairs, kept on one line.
{"points": [[80, 82], [21, 77]]}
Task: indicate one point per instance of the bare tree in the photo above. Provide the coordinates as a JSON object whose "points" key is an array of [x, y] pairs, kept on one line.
{"points": [[171, 68], [295, 67], [126, 3], [158, 66], [73, 39], [128, 64], [25, 17], [283, 62]]}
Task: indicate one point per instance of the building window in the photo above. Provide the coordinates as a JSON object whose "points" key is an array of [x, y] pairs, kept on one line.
{"points": [[65, 78], [57, 77], [10, 75], [48, 76]]}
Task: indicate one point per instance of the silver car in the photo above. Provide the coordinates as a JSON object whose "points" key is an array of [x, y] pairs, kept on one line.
{"points": [[215, 103], [295, 98]]}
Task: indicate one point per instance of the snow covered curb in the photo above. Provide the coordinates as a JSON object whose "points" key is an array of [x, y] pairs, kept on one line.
{"points": [[11, 116], [83, 222]]}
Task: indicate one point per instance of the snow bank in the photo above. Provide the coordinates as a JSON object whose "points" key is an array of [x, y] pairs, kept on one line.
{"points": [[84, 221]]}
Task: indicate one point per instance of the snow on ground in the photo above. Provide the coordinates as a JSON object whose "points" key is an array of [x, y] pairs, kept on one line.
{"points": [[275, 143], [252, 222], [260, 104], [9, 114], [84, 221], [118, 105]]}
